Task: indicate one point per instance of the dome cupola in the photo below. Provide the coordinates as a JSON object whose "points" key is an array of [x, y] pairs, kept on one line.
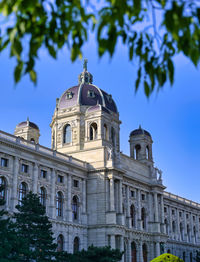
{"points": [[141, 145], [28, 130]]}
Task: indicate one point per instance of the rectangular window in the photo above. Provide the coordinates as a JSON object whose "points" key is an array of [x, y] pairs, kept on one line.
{"points": [[143, 196], [180, 214], [165, 209], [172, 212], [60, 179], [43, 173], [24, 168], [76, 183], [187, 216], [4, 162], [132, 193]]}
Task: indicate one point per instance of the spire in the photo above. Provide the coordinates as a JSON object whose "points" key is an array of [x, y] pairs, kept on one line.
{"points": [[85, 64], [27, 121], [85, 77]]}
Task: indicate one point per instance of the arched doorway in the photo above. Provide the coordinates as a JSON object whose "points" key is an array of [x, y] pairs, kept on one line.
{"points": [[144, 252], [133, 252]]}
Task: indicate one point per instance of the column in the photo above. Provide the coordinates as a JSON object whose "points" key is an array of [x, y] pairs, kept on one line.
{"points": [[52, 198], [107, 195], [178, 225], [185, 226], [157, 249], [14, 185], [112, 241], [139, 225], [128, 207], [191, 228], [170, 222], [140, 253], [35, 178], [112, 194], [69, 196], [120, 196], [162, 213], [84, 195], [122, 247], [156, 206], [129, 251]]}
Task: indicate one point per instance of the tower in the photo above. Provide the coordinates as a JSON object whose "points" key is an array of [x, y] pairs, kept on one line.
{"points": [[85, 119], [141, 145], [28, 130]]}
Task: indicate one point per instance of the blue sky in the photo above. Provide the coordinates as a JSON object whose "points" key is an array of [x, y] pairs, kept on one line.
{"points": [[172, 116]]}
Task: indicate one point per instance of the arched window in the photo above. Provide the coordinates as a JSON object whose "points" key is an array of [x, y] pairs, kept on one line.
{"points": [[168, 251], [173, 227], [32, 140], [147, 152], [22, 191], [137, 149], [132, 213], [59, 204], [143, 218], [67, 135], [105, 132], [191, 257], [43, 196], [181, 231], [75, 207], [53, 140], [166, 226], [76, 244], [194, 231], [188, 232], [133, 252], [183, 255], [93, 131], [2, 188], [60, 243], [113, 136], [144, 251]]}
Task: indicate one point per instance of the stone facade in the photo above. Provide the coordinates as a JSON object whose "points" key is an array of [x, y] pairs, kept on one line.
{"points": [[93, 193]]}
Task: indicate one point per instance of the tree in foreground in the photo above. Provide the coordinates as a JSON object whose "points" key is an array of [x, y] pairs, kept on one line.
{"points": [[197, 257], [97, 254], [9, 244], [167, 258], [34, 227], [154, 31]]}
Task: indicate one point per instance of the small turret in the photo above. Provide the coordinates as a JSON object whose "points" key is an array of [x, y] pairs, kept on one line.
{"points": [[28, 130], [141, 145]]}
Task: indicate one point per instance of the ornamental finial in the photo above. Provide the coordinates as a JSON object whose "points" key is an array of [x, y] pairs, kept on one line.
{"points": [[85, 64]]}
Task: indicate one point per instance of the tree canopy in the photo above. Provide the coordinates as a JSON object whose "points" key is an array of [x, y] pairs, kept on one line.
{"points": [[153, 31]]}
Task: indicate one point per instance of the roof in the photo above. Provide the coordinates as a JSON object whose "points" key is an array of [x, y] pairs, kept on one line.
{"points": [[140, 131], [86, 95], [28, 123]]}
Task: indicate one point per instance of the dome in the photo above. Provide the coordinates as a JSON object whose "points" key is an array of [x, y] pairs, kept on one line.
{"points": [[27, 123], [140, 131], [86, 94]]}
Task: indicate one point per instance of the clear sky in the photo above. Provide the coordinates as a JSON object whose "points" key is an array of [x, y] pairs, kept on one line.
{"points": [[172, 116]]}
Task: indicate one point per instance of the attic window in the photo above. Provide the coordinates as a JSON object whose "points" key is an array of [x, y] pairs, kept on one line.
{"points": [[109, 97], [69, 95], [90, 94]]}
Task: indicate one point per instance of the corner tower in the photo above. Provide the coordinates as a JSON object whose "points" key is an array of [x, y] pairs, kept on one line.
{"points": [[141, 146], [28, 130], [85, 119]]}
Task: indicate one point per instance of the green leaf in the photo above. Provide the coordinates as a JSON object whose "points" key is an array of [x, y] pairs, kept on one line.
{"points": [[137, 83], [18, 71], [146, 88], [170, 71], [33, 76]]}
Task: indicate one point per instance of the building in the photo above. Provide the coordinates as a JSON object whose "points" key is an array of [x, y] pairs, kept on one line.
{"points": [[93, 193]]}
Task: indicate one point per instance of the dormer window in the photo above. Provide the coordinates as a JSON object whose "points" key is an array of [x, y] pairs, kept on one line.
{"points": [[69, 95], [109, 97], [90, 94]]}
